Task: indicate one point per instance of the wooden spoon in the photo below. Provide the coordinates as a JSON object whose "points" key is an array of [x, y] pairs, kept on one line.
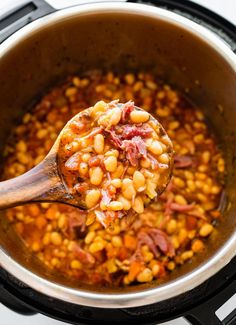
{"points": [[43, 183]]}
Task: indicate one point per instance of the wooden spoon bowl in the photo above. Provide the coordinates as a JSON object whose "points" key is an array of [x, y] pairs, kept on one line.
{"points": [[45, 182]]}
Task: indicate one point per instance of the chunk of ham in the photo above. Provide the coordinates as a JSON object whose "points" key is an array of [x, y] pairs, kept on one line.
{"points": [[130, 131], [134, 149], [182, 161], [83, 256], [106, 198], [126, 110], [101, 217], [114, 137], [170, 206], [167, 206], [156, 240], [130, 138], [162, 241], [141, 146], [154, 162], [181, 207], [145, 239]]}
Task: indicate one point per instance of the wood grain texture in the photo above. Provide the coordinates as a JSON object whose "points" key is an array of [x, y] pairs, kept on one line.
{"points": [[42, 183]]}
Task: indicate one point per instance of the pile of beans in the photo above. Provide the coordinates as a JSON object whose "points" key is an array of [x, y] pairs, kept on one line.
{"points": [[166, 234], [114, 159]]}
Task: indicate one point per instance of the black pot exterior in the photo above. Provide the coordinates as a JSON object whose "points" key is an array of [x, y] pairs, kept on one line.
{"points": [[198, 306]]}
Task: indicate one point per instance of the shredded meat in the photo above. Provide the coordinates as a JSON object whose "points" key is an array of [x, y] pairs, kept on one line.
{"points": [[113, 103], [106, 198], [154, 162], [134, 149], [145, 239], [130, 131], [101, 217], [181, 207], [162, 241], [127, 109], [114, 137], [129, 139], [171, 207], [127, 132], [140, 144], [83, 257], [156, 240], [167, 206], [196, 214], [182, 161]]}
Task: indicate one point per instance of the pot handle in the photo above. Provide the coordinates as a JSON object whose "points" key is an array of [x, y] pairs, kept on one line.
{"points": [[212, 312], [20, 16]]}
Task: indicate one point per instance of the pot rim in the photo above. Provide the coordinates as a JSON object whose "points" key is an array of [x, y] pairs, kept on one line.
{"points": [[164, 291]]}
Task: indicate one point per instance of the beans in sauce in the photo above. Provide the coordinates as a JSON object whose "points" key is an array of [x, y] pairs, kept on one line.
{"points": [[167, 234]]}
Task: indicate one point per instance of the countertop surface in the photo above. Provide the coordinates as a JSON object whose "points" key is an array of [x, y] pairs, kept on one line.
{"points": [[226, 8]]}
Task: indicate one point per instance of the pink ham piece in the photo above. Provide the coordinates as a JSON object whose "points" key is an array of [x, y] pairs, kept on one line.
{"points": [[154, 162], [171, 207], [156, 240], [130, 131], [141, 146], [182, 161], [181, 207], [134, 149], [162, 241], [101, 217], [83, 257], [115, 138], [126, 110], [145, 239], [168, 211], [106, 198]]}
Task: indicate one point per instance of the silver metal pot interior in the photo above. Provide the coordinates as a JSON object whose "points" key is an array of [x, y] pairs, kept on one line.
{"points": [[121, 37]]}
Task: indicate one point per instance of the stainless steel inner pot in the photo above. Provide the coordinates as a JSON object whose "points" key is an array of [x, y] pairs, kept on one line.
{"points": [[121, 36]]}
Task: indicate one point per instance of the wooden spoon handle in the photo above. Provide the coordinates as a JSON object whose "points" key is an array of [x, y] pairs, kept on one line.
{"points": [[42, 183]]}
